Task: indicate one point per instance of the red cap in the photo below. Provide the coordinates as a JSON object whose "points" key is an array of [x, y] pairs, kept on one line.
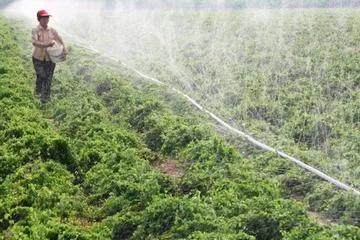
{"points": [[42, 13]]}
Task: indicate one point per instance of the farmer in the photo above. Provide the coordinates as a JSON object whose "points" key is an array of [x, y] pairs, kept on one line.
{"points": [[42, 38]]}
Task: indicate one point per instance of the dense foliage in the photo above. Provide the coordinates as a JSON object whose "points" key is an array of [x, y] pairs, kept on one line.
{"points": [[84, 168]]}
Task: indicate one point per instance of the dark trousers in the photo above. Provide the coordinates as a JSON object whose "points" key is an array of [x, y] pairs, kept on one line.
{"points": [[44, 74]]}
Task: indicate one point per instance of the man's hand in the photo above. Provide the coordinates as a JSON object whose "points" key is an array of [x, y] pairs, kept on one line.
{"points": [[50, 44], [66, 51]]}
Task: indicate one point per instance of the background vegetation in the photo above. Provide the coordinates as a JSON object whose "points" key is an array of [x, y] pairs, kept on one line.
{"points": [[239, 4]]}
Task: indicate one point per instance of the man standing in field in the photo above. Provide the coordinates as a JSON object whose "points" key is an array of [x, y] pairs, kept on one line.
{"points": [[44, 37]]}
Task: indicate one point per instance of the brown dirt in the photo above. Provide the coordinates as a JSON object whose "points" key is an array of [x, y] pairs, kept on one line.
{"points": [[318, 218], [169, 168]]}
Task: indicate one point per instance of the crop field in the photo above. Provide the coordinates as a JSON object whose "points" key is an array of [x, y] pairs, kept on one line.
{"points": [[114, 156], [290, 78]]}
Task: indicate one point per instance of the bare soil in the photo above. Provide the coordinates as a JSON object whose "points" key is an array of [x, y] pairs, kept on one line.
{"points": [[169, 168]]}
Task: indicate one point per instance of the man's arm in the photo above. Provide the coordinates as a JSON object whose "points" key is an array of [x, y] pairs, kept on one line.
{"points": [[61, 41], [40, 44]]}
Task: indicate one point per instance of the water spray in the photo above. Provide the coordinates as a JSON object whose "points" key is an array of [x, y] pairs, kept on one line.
{"points": [[236, 131]]}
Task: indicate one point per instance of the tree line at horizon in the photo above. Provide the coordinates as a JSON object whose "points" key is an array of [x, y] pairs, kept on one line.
{"points": [[238, 4]]}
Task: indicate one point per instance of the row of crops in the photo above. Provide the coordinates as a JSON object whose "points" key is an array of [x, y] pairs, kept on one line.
{"points": [[85, 167]]}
